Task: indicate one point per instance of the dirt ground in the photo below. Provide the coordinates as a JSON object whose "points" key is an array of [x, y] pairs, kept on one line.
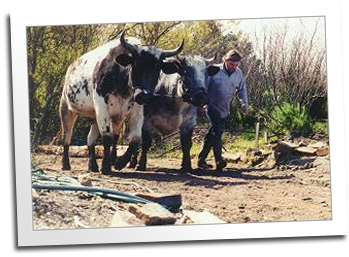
{"points": [[236, 195]]}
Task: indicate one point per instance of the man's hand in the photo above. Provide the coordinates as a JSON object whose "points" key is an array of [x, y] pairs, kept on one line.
{"points": [[245, 110]]}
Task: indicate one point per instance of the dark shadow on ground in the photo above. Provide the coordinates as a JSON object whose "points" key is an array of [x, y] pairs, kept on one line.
{"points": [[199, 177], [242, 174], [173, 175], [301, 161]]}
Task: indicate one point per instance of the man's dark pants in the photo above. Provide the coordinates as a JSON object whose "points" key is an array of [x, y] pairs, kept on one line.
{"points": [[213, 137]]}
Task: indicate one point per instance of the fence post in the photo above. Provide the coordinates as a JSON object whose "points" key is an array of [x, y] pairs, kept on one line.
{"points": [[257, 135]]}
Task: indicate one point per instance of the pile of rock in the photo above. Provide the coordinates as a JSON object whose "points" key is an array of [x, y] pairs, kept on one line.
{"points": [[155, 214], [76, 151], [278, 152]]}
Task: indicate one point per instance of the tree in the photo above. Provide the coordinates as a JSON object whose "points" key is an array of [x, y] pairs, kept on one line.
{"points": [[51, 49]]}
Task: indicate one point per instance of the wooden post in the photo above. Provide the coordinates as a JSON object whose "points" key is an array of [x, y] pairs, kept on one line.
{"points": [[257, 135], [265, 137]]}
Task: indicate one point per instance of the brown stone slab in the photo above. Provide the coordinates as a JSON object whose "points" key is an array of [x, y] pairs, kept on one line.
{"points": [[306, 150], [125, 219], [174, 201], [153, 214], [202, 217], [323, 151]]}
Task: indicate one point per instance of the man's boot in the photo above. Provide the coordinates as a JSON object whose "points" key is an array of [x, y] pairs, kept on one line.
{"points": [[220, 165]]}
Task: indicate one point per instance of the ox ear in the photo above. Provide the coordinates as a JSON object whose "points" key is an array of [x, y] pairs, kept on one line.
{"points": [[124, 59], [212, 70], [170, 67]]}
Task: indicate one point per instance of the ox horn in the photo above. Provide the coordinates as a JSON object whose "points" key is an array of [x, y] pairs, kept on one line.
{"points": [[169, 53], [125, 44], [209, 61]]}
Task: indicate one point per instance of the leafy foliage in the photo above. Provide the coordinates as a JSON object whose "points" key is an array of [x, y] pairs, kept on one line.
{"points": [[290, 118]]}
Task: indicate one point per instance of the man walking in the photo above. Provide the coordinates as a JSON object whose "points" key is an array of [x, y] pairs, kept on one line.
{"points": [[221, 89]]}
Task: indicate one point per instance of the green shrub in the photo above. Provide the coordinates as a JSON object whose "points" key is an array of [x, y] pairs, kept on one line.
{"points": [[237, 121], [322, 127], [290, 117]]}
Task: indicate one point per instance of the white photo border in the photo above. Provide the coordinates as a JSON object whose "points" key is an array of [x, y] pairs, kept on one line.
{"points": [[29, 237]]}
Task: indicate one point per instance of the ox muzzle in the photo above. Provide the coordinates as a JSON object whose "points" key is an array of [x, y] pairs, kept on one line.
{"points": [[198, 99], [142, 96]]}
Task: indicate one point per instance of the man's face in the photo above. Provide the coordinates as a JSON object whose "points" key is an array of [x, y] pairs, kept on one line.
{"points": [[231, 65]]}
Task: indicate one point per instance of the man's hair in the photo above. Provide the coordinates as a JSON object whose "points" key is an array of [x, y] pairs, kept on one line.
{"points": [[232, 55]]}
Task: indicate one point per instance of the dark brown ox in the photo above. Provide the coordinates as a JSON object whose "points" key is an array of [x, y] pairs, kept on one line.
{"points": [[175, 106]]}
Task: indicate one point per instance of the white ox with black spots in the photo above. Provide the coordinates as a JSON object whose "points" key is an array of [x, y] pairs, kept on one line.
{"points": [[107, 85]]}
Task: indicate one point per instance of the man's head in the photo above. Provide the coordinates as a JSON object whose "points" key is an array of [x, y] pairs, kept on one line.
{"points": [[232, 60]]}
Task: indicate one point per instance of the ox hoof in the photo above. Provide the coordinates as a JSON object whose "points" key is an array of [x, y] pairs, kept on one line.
{"points": [[141, 168], [143, 98], [106, 171], [132, 165], [93, 167], [120, 164], [94, 170], [66, 167], [185, 170]]}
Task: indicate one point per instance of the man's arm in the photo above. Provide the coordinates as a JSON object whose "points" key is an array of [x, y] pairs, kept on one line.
{"points": [[242, 94]]}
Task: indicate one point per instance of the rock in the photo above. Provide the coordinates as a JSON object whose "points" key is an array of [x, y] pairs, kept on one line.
{"points": [[284, 148], [85, 180], [302, 143], [234, 158], [76, 151], [174, 201], [272, 146], [202, 217], [270, 163], [318, 144], [246, 219], [78, 223], [266, 153], [125, 219], [307, 199], [305, 150], [324, 151], [295, 134], [153, 214], [244, 158], [319, 135], [253, 152], [34, 193], [275, 155], [308, 165], [242, 206], [257, 160]]}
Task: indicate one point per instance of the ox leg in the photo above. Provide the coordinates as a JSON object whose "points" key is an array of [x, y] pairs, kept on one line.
{"points": [[146, 144], [107, 142], [135, 122], [126, 157], [186, 144], [68, 119], [91, 140], [134, 160], [117, 124], [113, 154], [105, 128]]}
